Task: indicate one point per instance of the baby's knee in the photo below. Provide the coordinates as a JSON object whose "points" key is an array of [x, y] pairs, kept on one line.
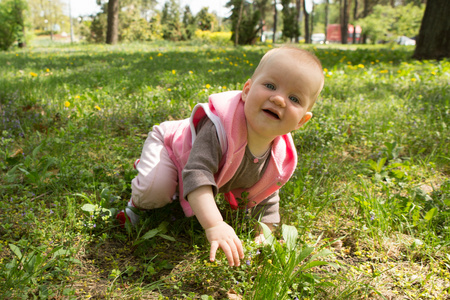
{"points": [[151, 196]]}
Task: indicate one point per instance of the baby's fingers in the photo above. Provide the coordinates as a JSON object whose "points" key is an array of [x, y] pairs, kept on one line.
{"points": [[240, 248], [213, 251]]}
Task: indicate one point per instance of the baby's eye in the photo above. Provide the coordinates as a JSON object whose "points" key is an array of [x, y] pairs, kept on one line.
{"points": [[294, 99], [270, 86]]}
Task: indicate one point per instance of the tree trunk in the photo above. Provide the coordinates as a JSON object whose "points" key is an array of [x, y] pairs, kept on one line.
{"points": [[275, 19], [327, 4], [238, 25], [298, 9], [21, 23], [365, 14], [355, 16], [307, 32], [112, 33], [312, 21], [344, 23], [433, 41]]}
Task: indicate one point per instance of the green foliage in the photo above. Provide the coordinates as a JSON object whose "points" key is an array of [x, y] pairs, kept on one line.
{"points": [[189, 22], [31, 266], [290, 24], [247, 20], [286, 271], [387, 23], [97, 32], [206, 20], [171, 21], [12, 22]]}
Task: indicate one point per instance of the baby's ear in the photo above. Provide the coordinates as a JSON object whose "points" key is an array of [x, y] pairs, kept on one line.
{"points": [[246, 89], [304, 120]]}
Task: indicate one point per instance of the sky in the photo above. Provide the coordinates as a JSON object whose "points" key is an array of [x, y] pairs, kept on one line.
{"points": [[88, 7]]}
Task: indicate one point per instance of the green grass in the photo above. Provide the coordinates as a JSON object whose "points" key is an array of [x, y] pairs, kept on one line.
{"points": [[372, 184]]}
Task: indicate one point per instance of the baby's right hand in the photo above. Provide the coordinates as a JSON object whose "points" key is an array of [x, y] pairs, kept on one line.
{"points": [[223, 236]]}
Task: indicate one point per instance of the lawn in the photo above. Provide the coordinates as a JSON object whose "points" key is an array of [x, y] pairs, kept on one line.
{"points": [[366, 214]]}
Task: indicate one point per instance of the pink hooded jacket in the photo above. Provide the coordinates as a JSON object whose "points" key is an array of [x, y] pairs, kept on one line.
{"points": [[226, 111]]}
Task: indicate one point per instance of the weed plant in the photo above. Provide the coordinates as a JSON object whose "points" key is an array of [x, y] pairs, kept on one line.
{"points": [[370, 199]]}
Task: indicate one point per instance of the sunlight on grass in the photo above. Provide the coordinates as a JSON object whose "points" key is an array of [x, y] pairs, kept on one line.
{"points": [[371, 189]]}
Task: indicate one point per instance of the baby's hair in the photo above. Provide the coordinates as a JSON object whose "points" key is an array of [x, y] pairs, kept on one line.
{"points": [[302, 55]]}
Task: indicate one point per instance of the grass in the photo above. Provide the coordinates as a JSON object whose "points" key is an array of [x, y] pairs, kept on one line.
{"points": [[372, 185]]}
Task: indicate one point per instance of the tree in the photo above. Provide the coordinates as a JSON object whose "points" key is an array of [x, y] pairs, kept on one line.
{"points": [[307, 31], [290, 24], [112, 32], [434, 35], [387, 23], [263, 7], [327, 5], [298, 10], [344, 21], [275, 20], [188, 22], [205, 19], [12, 22], [171, 21], [244, 18]]}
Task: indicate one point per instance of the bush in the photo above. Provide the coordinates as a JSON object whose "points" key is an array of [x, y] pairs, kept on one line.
{"points": [[220, 38], [11, 23]]}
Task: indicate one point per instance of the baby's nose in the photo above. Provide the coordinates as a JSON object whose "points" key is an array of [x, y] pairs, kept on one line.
{"points": [[278, 100]]}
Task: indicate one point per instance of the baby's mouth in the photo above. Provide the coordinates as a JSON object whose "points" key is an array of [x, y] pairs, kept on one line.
{"points": [[271, 113]]}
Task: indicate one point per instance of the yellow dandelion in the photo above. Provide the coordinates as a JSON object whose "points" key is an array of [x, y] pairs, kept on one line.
{"points": [[209, 71], [169, 90], [77, 97], [97, 107], [67, 104], [173, 72], [160, 54], [325, 70], [151, 57], [33, 74], [190, 72], [361, 66], [433, 73], [47, 70], [207, 85], [384, 71], [413, 79], [224, 87]]}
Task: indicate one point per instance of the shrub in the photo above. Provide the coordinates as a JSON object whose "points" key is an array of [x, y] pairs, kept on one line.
{"points": [[220, 38]]}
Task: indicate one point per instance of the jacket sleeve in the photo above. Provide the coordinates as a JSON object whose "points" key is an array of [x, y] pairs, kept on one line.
{"points": [[267, 211], [203, 160]]}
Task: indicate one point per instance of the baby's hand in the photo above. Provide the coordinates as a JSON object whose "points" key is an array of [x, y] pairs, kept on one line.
{"points": [[223, 236]]}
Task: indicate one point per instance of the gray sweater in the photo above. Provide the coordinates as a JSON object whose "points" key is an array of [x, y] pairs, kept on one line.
{"points": [[204, 161]]}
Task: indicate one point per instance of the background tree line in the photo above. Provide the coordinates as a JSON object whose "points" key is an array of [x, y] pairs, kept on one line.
{"points": [[250, 21]]}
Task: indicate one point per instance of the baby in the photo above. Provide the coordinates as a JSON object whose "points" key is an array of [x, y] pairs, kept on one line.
{"points": [[237, 142]]}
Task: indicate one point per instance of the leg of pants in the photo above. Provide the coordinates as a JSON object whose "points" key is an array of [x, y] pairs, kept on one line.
{"points": [[157, 177]]}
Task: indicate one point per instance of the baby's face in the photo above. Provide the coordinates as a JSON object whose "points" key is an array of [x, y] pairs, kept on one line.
{"points": [[278, 98]]}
